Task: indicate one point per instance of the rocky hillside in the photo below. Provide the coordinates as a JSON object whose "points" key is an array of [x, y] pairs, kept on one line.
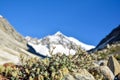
{"points": [[110, 45], [112, 37], [12, 44]]}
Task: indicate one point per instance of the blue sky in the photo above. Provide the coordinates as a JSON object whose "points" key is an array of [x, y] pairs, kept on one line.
{"points": [[87, 20]]}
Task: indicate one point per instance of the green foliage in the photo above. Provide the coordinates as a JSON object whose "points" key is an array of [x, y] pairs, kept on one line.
{"points": [[57, 66], [53, 68]]}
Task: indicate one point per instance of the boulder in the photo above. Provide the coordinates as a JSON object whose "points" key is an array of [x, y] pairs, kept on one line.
{"points": [[82, 75], [114, 65], [106, 72], [68, 77]]}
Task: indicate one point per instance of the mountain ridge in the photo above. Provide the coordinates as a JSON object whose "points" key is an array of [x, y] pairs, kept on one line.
{"points": [[12, 44], [111, 38], [58, 43]]}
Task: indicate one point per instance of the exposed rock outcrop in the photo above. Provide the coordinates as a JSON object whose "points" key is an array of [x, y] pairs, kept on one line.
{"points": [[114, 65], [106, 72], [83, 75], [112, 37], [12, 44]]}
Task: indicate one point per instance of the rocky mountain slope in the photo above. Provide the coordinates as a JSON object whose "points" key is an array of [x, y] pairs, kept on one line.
{"points": [[12, 44], [111, 38], [57, 43]]}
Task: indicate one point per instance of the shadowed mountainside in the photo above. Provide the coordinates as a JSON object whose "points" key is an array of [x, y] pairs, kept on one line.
{"points": [[111, 38]]}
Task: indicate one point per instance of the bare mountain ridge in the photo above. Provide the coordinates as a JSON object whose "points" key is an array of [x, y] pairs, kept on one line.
{"points": [[111, 38], [12, 44]]}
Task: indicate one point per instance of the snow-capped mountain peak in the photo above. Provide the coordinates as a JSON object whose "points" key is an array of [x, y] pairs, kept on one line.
{"points": [[58, 33], [83, 45], [57, 43]]}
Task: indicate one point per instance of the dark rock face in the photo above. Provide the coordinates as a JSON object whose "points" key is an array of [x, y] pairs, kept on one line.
{"points": [[114, 36], [111, 38], [114, 65]]}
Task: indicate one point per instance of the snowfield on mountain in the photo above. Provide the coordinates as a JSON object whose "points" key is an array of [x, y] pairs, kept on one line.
{"points": [[57, 43]]}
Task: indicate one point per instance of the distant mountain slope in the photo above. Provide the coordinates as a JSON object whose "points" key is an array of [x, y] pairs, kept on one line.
{"points": [[57, 43], [112, 37], [12, 44]]}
